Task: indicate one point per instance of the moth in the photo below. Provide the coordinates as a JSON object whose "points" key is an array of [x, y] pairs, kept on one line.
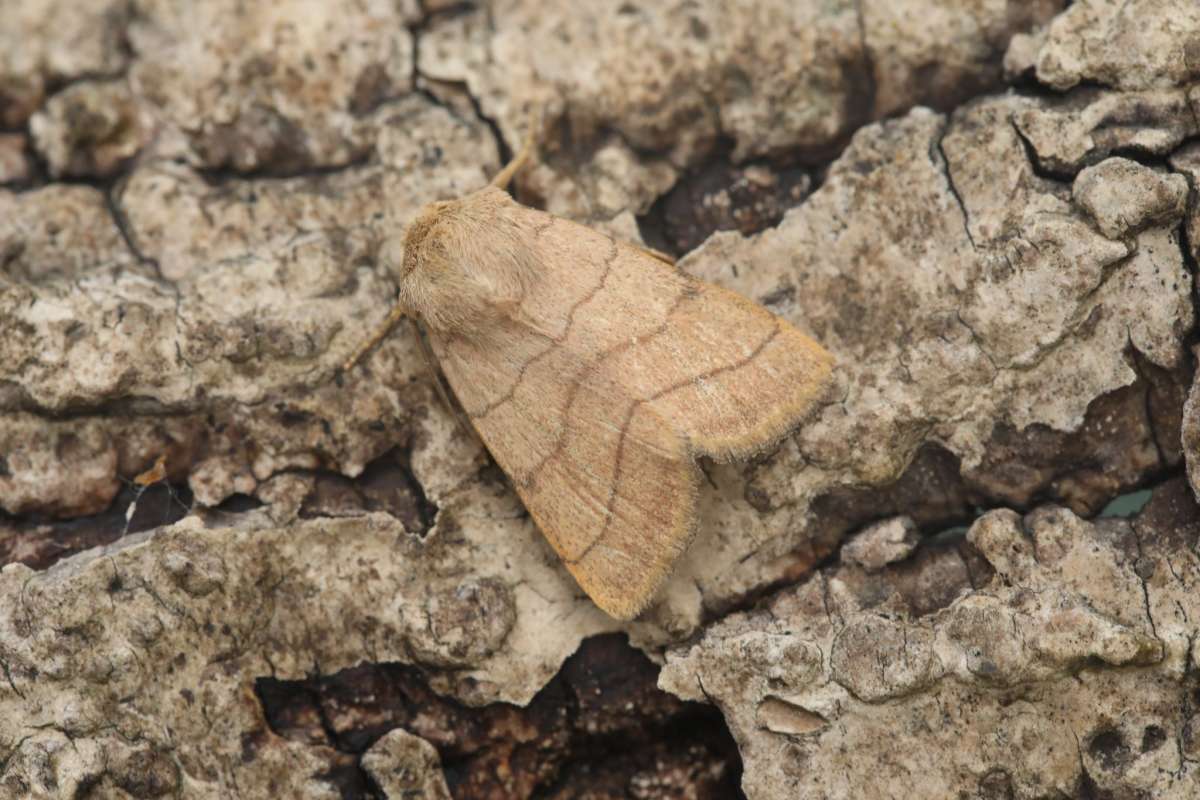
{"points": [[597, 374]]}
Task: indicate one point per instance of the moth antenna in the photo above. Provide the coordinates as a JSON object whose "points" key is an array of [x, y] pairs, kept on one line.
{"points": [[505, 176], [666, 258], [378, 336], [435, 374]]}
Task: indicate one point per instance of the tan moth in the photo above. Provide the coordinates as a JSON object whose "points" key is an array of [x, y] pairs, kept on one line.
{"points": [[596, 374]]}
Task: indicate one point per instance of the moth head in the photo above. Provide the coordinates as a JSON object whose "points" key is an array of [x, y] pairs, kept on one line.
{"points": [[463, 262], [420, 237], [433, 286]]}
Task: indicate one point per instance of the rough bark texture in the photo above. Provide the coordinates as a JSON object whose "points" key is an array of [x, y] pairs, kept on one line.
{"points": [[987, 210]]}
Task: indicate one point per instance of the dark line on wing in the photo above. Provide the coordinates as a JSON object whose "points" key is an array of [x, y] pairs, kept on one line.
{"points": [[555, 341], [612, 490], [688, 292]]}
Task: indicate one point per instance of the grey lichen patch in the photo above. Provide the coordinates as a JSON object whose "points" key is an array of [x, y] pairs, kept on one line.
{"points": [[876, 658], [33, 480], [1020, 59], [47, 43], [729, 54], [1124, 197], [279, 87], [239, 305], [1026, 315], [1139, 44], [165, 633], [881, 544], [57, 232], [1186, 160], [1191, 436], [406, 767], [464, 623], [950, 56], [90, 129], [276, 88], [706, 73], [1090, 124], [1018, 667]]}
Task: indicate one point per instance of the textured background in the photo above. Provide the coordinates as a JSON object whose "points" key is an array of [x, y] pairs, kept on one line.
{"points": [[973, 575]]}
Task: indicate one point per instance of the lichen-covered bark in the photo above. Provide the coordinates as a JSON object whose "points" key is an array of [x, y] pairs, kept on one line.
{"points": [[1067, 672], [987, 210]]}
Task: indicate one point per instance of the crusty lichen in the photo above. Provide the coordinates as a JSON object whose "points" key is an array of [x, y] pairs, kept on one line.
{"points": [[1070, 667]]}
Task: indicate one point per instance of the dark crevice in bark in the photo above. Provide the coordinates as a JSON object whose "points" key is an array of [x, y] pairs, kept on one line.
{"points": [[1085, 470], [601, 724], [861, 111], [216, 177], [40, 176], [939, 158], [386, 484], [930, 490], [749, 197], [421, 82], [39, 541], [125, 228], [1035, 162]]}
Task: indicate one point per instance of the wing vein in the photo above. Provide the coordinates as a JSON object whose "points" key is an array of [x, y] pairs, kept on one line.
{"points": [[555, 341], [561, 438], [616, 480]]}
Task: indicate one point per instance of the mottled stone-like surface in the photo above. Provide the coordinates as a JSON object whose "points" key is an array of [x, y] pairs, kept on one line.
{"points": [[1123, 197], [178, 625], [1089, 124], [271, 87], [883, 543], [49, 43], [406, 765], [964, 295], [1129, 45], [648, 88], [986, 210], [90, 129], [1069, 672]]}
